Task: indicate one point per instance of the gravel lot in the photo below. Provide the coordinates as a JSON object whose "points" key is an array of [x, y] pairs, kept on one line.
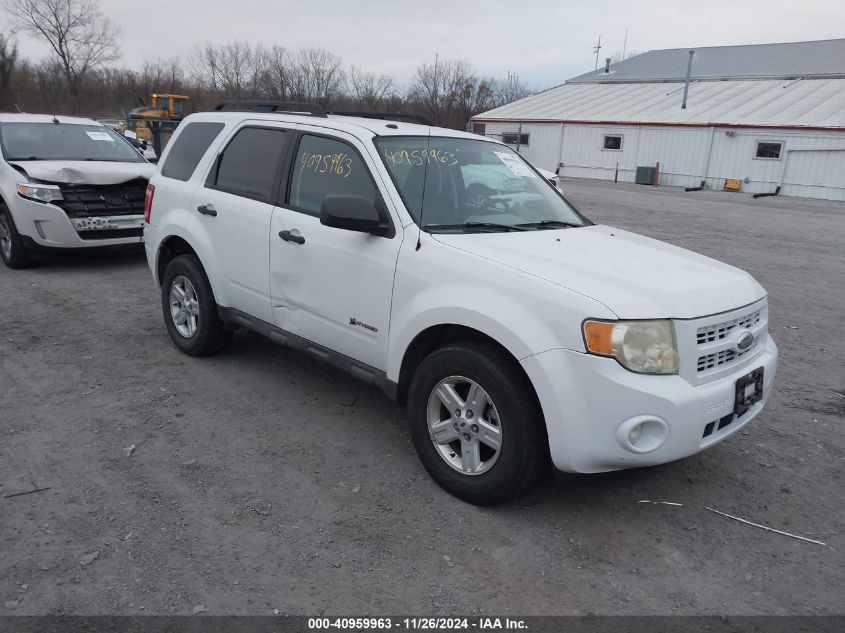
{"points": [[261, 480]]}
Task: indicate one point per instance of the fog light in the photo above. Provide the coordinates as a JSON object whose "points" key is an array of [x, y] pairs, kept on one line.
{"points": [[642, 434], [634, 433]]}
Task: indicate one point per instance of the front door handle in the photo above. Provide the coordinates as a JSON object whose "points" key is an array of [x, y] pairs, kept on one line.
{"points": [[207, 209], [288, 237]]}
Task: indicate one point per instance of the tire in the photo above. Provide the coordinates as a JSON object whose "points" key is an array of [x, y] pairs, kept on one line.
{"points": [[507, 402], [12, 251], [201, 333]]}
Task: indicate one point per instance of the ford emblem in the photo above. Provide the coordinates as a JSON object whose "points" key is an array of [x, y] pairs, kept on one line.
{"points": [[745, 341]]}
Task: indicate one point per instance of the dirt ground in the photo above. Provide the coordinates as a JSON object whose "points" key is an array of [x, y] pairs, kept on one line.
{"points": [[261, 480]]}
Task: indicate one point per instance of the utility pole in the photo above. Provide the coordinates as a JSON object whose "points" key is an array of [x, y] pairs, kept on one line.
{"points": [[596, 50], [624, 45]]}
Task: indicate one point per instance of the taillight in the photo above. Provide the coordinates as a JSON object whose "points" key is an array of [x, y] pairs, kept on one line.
{"points": [[148, 202]]}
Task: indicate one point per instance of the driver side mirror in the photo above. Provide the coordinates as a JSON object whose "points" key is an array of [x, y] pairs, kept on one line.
{"points": [[356, 213]]}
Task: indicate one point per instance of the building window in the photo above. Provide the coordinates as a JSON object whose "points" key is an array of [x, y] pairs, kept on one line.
{"points": [[768, 149], [512, 138], [613, 142]]}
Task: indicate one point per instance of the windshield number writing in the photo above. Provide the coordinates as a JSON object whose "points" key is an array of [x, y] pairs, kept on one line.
{"points": [[338, 164], [419, 157]]}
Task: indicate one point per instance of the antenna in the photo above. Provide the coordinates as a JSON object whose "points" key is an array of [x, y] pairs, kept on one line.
{"points": [[596, 50], [624, 45], [425, 181]]}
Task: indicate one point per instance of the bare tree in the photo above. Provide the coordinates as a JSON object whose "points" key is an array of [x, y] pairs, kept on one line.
{"points": [[278, 73], [450, 92], [82, 39], [368, 90], [316, 75], [8, 59]]}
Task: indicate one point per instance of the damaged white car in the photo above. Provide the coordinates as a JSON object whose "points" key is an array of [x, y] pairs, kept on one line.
{"points": [[67, 183]]}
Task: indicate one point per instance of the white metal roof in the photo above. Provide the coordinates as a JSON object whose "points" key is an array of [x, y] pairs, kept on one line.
{"points": [[813, 103], [824, 58]]}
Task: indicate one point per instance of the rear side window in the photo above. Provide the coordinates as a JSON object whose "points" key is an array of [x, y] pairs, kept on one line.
{"points": [[188, 148], [327, 167], [249, 165]]}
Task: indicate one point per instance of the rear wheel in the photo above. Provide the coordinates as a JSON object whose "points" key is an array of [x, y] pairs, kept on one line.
{"points": [[476, 423], [189, 308], [12, 250]]}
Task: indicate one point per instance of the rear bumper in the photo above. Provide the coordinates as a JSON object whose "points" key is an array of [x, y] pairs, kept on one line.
{"points": [[590, 403], [46, 226]]}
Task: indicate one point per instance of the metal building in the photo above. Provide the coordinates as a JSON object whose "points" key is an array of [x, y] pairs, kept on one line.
{"points": [[757, 117]]}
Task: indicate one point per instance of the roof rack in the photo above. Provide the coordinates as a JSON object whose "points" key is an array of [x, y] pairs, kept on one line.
{"points": [[287, 107], [389, 116]]}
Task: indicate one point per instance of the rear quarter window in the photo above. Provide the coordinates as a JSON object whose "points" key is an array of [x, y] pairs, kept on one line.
{"points": [[248, 167], [189, 148]]}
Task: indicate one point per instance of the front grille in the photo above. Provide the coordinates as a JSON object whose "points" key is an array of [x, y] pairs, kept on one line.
{"points": [[716, 346], [82, 201], [708, 346], [709, 361], [718, 331]]}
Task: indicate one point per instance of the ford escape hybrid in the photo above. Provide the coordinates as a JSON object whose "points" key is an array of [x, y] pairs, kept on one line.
{"points": [[67, 183], [516, 331]]}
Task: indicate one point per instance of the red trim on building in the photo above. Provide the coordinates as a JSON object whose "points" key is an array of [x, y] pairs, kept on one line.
{"points": [[740, 126]]}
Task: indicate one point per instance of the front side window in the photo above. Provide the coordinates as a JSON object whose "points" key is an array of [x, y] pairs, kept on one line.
{"points": [[249, 165], [189, 148], [467, 185], [327, 167], [65, 141], [767, 149], [612, 142]]}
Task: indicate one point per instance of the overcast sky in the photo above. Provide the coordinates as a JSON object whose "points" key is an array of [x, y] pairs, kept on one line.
{"points": [[544, 41]]}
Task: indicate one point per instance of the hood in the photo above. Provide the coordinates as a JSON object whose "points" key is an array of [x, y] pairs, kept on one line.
{"points": [[634, 276], [85, 172]]}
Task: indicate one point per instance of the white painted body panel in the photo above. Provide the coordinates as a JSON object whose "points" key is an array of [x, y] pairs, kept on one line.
{"points": [[85, 172], [528, 291]]}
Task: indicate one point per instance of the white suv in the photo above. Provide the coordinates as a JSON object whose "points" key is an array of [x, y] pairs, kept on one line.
{"points": [[67, 183], [516, 331]]}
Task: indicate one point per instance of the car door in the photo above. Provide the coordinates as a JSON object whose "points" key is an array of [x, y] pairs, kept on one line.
{"points": [[234, 208], [332, 286]]}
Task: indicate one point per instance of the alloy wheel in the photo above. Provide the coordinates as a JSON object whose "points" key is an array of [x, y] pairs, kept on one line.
{"points": [[184, 306], [464, 426]]}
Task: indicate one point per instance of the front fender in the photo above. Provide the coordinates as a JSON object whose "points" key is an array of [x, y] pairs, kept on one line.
{"points": [[441, 285]]}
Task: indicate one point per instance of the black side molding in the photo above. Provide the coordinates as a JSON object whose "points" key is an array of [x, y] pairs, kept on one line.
{"points": [[365, 373]]}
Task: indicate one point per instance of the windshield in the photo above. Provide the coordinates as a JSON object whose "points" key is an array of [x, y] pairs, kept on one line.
{"points": [[460, 185], [64, 141]]}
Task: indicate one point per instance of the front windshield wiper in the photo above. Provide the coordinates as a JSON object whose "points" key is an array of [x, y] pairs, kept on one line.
{"points": [[552, 224], [26, 158], [476, 225]]}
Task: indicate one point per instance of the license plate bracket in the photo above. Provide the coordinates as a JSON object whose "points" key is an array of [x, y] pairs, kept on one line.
{"points": [[749, 391]]}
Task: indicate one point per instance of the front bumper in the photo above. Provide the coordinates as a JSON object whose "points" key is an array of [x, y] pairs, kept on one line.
{"points": [[589, 402], [48, 226]]}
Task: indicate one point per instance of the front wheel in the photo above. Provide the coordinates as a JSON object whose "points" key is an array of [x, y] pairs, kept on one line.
{"points": [[190, 311], [12, 250], [476, 423]]}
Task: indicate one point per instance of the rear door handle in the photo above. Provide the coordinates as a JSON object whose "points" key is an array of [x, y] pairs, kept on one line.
{"points": [[207, 209], [288, 237]]}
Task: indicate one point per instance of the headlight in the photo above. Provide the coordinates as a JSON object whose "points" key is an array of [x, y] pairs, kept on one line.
{"points": [[645, 347], [39, 192]]}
